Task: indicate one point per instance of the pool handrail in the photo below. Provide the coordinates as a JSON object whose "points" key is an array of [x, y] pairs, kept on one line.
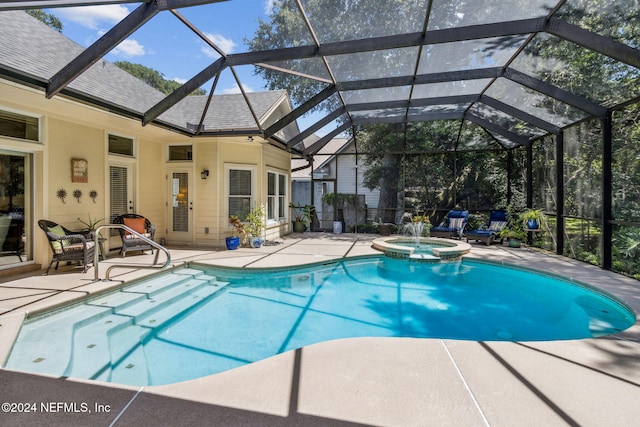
{"points": [[158, 246]]}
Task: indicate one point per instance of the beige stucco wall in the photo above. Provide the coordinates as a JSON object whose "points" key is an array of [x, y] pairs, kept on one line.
{"points": [[73, 130]]}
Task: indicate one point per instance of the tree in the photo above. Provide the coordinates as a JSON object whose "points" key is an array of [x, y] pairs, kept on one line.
{"points": [[153, 78], [47, 18]]}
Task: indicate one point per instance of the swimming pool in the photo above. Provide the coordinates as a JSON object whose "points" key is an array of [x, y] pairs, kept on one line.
{"points": [[195, 322]]}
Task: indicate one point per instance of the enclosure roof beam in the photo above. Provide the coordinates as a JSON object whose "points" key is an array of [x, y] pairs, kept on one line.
{"points": [[50, 4], [316, 126], [422, 102], [183, 91], [455, 115], [492, 127], [519, 114], [555, 92], [450, 76], [316, 146], [111, 39], [300, 111], [595, 42], [101, 47]]}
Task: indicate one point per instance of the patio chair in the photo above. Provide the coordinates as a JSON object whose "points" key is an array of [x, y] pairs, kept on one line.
{"points": [[488, 234], [452, 226], [139, 224], [68, 245]]}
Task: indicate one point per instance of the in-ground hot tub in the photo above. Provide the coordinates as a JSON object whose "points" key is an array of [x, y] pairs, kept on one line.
{"points": [[425, 249]]}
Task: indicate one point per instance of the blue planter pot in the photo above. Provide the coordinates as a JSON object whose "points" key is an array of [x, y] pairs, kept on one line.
{"points": [[256, 242], [233, 243], [532, 224]]}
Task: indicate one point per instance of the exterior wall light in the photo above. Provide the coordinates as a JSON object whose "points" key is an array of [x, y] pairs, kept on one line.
{"points": [[204, 174]]}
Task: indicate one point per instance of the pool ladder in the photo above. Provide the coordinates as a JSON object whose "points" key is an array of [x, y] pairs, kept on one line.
{"points": [[154, 266]]}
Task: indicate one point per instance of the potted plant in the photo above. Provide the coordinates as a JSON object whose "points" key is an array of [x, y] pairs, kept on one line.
{"points": [[532, 219], [233, 242], [302, 215], [255, 226], [91, 224], [514, 233]]}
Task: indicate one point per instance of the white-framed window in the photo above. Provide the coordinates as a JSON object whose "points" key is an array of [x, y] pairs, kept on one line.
{"points": [[14, 124], [276, 196], [121, 145], [240, 189]]}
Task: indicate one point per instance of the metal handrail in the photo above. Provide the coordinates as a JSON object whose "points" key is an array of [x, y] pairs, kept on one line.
{"points": [[96, 255]]}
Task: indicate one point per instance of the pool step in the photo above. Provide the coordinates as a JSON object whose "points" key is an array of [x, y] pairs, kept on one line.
{"points": [[107, 345], [91, 355], [156, 301], [59, 328]]}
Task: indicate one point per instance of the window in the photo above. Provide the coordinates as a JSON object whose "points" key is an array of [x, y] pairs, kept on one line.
{"points": [[240, 191], [180, 152], [16, 125], [120, 145], [276, 196]]}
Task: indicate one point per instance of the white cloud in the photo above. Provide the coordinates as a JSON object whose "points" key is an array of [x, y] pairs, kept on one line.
{"points": [[129, 48], [225, 44], [268, 7], [236, 89], [94, 16], [179, 80]]}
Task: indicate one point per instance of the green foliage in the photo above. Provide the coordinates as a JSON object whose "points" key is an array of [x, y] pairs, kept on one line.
{"points": [[340, 199], [255, 221], [337, 19], [301, 213], [49, 19], [91, 223], [153, 78]]}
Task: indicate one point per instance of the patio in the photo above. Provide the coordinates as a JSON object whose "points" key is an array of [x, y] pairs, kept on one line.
{"points": [[370, 381]]}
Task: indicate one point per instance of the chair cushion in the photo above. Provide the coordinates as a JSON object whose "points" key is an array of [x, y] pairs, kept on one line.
{"points": [[136, 224], [57, 245], [130, 236], [75, 247], [497, 226], [456, 223]]}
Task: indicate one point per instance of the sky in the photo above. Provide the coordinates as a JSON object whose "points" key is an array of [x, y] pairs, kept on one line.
{"points": [[168, 46]]}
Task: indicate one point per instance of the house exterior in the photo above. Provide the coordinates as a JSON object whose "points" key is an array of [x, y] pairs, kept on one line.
{"points": [[334, 170], [69, 158]]}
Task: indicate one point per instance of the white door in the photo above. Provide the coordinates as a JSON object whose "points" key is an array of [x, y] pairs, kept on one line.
{"points": [[121, 197], [180, 206]]}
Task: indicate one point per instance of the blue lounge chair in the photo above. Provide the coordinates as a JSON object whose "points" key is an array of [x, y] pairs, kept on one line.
{"points": [[452, 226], [497, 222]]}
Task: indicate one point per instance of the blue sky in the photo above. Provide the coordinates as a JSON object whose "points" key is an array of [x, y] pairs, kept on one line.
{"points": [[167, 45]]}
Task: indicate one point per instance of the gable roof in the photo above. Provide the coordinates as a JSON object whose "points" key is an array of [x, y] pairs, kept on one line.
{"points": [[327, 153], [30, 48]]}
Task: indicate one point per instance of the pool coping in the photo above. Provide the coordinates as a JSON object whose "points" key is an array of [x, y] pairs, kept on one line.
{"points": [[446, 249]]}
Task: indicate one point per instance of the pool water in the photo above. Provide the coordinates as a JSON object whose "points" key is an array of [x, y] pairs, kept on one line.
{"points": [[194, 323]]}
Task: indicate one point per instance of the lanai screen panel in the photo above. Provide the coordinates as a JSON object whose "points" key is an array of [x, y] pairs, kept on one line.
{"points": [[461, 87], [559, 62], [534, 103], [340, 20], [456, 13]]}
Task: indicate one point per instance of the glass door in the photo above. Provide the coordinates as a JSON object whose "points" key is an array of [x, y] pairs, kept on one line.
{"points": [[181, 206], [15, 202]]}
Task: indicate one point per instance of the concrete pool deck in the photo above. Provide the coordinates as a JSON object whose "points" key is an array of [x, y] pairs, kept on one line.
{"points": [[362, 381]]}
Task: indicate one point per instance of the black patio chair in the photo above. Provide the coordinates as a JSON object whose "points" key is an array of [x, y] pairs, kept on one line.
{"points": [[140, 224], [68, 245]]}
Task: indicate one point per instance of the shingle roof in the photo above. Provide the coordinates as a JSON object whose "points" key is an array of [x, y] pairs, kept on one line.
{"points": [[30, 47]]}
